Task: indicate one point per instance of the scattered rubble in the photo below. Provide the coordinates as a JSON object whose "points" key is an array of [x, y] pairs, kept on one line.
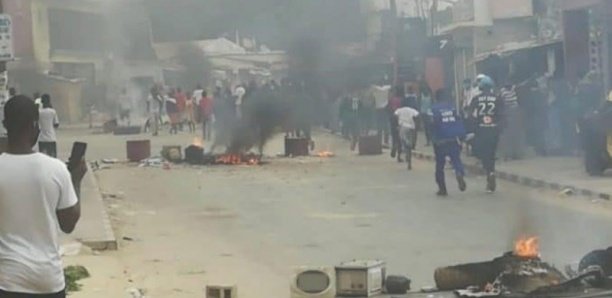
{"points": [[136, 293]]}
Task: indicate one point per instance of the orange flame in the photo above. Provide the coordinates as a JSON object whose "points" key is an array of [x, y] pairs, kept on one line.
{"points": [[237, 159], [325, 154], [198, 142], [527, 247]]}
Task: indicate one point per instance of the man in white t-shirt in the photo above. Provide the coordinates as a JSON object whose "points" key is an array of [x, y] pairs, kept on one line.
{"points": [[239, 94], [48, 122], [38, 195], [381, 99], [407, 128], [197, 95]]}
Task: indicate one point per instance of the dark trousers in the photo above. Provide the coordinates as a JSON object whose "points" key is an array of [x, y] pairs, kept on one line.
{"points": [[485, 144], [206, 128], [451, 149], [48, 148], [426, 122], [396, 142], [4, 294], [382, 124]]}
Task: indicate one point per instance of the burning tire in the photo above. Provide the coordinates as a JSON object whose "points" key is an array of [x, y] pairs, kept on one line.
{"points": [[601, 258]]}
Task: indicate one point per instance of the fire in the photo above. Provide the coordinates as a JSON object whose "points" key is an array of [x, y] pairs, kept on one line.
{"points": [[527, 247], [230, 159], [325, 154], [198, 142], [237, 159]]}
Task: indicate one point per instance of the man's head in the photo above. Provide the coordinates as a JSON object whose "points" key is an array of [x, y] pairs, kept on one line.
{"points": [[21, 120], [46, 101], [204, 93], [486, 84], [12, 91]]}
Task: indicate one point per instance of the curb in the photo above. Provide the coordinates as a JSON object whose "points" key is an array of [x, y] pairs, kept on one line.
{"points": [[527, 181], [108, 241]]}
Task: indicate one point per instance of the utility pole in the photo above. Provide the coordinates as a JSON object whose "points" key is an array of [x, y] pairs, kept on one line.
{"points": [[432, 16], [395, 27], [2, 63]]}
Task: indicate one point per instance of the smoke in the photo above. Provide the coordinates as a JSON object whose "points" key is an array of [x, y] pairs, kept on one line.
{"points": [[264, 111]]}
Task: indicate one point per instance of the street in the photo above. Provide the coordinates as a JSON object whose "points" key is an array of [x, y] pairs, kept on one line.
{"points": [[189, 226]]}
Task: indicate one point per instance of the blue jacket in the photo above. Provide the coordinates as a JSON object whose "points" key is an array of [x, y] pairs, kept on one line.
{"points": [[447, 124]]}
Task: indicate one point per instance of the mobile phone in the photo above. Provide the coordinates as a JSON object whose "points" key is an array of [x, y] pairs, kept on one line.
{"points": [[77, 154]]}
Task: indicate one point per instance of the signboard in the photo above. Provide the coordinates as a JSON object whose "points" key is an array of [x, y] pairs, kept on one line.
{"points": [[507, 9], [4, 97], [6, 38]]}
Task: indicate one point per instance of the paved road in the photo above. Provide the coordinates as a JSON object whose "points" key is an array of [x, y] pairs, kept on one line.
{"points": [[251, 224]]}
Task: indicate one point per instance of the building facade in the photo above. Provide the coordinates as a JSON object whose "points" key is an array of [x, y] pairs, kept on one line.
{"points": [[80, 52]]}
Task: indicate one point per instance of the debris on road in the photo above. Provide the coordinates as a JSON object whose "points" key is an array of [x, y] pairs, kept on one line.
{"points": [[155, 162], [136, 293], [566, 192], [118, 195], [73, 274], [193, 272], [110, 160]]}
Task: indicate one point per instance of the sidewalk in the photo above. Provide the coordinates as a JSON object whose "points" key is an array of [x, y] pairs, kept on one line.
{"points": [[555, 173], [94, 228]]}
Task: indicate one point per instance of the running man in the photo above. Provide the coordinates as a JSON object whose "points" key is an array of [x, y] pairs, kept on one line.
{"points": [[406, 119], [486, 109], [447, 132]]}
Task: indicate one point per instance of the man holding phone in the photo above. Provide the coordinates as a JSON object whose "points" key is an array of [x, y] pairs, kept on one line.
{"points": [[37, 195]]}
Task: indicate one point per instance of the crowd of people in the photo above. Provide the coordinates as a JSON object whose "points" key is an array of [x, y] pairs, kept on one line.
{"points": [[219, 111], [542, 113]]}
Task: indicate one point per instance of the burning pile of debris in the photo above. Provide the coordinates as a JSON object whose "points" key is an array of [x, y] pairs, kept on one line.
{"points": [[521, 273], [195, 155]]}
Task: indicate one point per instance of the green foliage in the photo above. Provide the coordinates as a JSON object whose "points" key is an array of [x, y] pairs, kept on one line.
{"points": [[72, 274]]}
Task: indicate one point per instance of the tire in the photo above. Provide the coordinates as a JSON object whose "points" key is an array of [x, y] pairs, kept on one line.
{"points": [[601, 258]]}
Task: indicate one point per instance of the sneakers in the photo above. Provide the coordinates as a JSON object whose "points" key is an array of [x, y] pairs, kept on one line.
{"points": [[442, 192], [461, 183], [491, 183]]}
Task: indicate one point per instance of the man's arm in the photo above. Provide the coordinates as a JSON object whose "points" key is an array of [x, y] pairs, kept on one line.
{"points": [[69, 216], [55, 121]]}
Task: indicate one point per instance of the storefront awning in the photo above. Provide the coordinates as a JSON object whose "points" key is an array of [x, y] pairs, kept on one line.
{"points": [[507, 49]]}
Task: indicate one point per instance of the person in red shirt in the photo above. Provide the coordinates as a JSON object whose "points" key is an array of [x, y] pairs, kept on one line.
{"points": [[181, 101], [206, 115]]}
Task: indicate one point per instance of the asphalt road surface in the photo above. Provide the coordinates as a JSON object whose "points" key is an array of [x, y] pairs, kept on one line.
{"points": [[250, 225]]}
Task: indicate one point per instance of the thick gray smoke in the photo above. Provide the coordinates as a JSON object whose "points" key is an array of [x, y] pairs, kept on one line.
{"points": [[264, 112]]}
